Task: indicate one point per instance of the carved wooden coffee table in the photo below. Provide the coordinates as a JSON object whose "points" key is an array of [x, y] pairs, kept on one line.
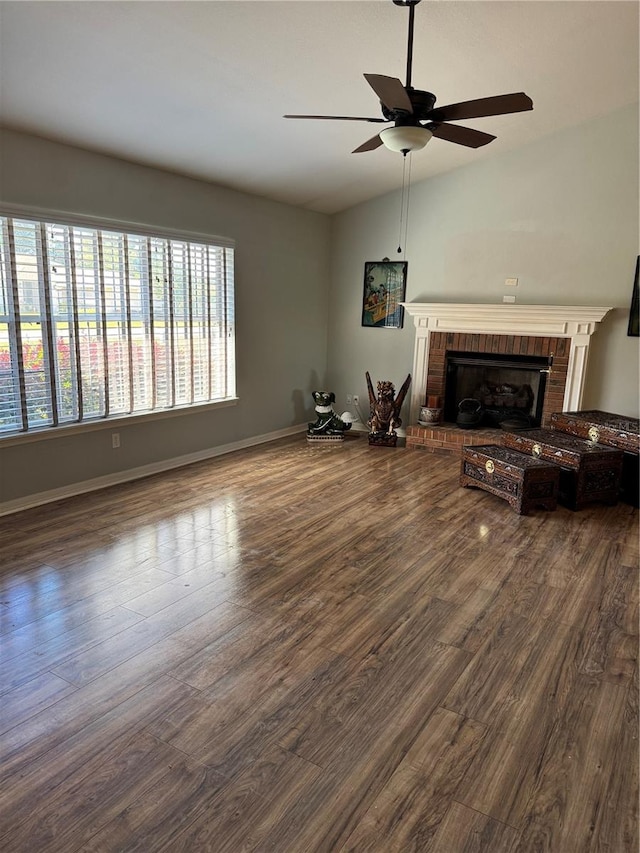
{"points": [[520, 479]]}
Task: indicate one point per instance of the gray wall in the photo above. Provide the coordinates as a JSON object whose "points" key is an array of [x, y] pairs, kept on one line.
{"points": [[560, 214], [282, 272]]}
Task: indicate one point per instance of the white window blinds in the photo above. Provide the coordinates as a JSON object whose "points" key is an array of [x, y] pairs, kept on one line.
{"points": [[97, 323]]}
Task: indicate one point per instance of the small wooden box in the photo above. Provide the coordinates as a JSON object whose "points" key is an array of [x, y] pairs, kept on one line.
{"points": [[613, 431], [521, 480], [590, 472]]}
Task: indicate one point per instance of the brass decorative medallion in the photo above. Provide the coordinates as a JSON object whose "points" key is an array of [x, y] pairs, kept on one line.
{"points": [[536, 450], [594, 433], [490, 467]]}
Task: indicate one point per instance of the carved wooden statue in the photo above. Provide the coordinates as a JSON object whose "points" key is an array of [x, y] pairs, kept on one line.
{"points": [[385, 407]]}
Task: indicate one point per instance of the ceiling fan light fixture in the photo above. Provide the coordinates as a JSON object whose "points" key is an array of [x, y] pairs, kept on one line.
{"points": [[405, 138]]}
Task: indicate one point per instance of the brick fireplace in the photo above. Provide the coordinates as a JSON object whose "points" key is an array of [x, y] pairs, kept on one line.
{"points": [[558, 336]]}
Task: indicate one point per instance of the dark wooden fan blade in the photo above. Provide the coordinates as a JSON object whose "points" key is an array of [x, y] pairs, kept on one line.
{"points": [[341, 118], [390, 91], [369, 145], [460, 135], [498, 105]]}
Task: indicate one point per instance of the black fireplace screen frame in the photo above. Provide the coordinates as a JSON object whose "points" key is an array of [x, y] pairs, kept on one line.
{"points": [[538, 365]]}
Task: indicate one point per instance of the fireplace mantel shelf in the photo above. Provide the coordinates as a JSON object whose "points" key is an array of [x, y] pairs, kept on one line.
{"points": [[577, 322], [565, 320]]}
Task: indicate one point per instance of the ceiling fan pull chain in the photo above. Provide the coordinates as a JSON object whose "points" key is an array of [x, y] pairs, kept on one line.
{"points": [[404, 172], [406, 214]]}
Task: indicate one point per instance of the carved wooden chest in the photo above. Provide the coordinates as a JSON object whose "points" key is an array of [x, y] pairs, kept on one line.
{"points": [[523, 481], [589, 472], [613, 431]]}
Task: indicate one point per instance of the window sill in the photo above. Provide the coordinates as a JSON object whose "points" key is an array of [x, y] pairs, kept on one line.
{"points": [[45, 433]]}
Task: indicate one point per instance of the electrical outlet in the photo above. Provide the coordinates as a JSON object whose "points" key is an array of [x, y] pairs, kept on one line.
{"points": [[115, 440], [348, 399], [356, 399], [511, 282]]}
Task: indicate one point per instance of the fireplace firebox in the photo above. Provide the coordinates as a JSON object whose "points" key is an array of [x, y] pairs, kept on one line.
{"points": [[506, 386]]}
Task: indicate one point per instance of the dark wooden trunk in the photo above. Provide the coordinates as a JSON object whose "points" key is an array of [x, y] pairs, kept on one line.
{"points": [[613, 431], [590, 473], [521, 480]]}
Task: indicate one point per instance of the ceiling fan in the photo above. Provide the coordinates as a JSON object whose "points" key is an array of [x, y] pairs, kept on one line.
{"points": [[414, 114]]}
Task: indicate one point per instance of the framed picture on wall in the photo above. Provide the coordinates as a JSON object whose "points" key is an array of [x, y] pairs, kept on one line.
{"points": [[634, 313], [385, 285]]}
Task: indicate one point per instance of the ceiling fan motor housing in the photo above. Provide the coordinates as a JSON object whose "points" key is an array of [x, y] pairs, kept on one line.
{"points": [[422, 103]]}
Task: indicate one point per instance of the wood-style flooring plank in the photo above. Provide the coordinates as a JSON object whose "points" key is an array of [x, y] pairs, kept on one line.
{"points": [[81, 752], [241, 815], [136, 681], [31, 698], [514, 646], [360, 751], [83, 576], [86, 800], [161, 815], [226, 726], [46, 627], [583, 799], [549, 699], [89, 664], [54, 654], [466, 831], [411, 807]]}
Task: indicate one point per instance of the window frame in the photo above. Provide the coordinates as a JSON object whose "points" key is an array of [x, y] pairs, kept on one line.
{"points": [[108, 420]]}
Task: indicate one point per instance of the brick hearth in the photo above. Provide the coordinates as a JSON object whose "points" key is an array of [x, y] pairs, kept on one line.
{"points": [[449, 438]]}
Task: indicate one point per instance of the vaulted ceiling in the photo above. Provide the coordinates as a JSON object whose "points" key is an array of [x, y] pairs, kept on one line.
{"points": [[199, 88]]}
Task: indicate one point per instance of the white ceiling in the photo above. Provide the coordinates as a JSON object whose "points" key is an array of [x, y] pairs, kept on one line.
{"points": [[199, 88]]}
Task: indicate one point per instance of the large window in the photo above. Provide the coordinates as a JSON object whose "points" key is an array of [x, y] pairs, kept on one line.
{"points": [[97, 323]]}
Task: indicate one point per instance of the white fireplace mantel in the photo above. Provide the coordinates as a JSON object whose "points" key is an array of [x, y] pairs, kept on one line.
{"points": [[577, 322]]}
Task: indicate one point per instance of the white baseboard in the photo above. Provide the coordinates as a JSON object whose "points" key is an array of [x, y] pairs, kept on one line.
{"points": [[81, 488]]}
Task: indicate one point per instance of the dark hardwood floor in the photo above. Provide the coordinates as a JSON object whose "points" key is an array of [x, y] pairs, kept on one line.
{"points": [[297, 648]]}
